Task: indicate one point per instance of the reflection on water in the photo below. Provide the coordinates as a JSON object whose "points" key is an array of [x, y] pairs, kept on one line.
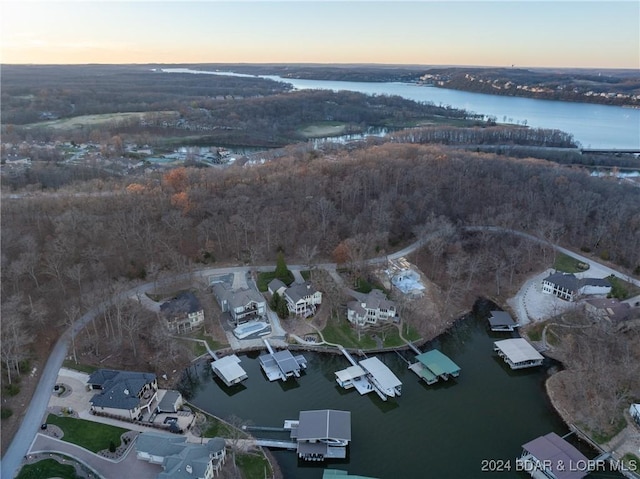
{"points": [[442, 431]]}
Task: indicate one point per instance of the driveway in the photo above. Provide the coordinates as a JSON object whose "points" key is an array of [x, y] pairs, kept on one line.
{"points": [[127, 466]]}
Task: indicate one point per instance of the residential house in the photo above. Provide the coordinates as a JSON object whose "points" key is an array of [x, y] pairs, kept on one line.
{"points": [[609, 309], [123, 393], [566, 286], [302, 299], [242, 304], [182, 313], [180, 459], [370, 309]]}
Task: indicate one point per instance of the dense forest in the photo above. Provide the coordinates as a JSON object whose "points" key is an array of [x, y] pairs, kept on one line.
{"points": [[94, 234]]}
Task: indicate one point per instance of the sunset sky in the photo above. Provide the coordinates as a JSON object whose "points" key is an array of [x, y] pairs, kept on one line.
{"points": [[599, 34]]}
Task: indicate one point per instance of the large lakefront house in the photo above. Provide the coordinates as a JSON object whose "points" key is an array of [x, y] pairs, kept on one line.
{"points": [[123, 393], [183, 313], [179, 458], [369, 309], [568, 287], [302, 298], [243, 304]]}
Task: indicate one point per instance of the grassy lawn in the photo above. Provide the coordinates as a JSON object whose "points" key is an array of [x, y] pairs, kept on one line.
{"points": [[323, 129], [253, 466], [264, 278], [339, 331], [567, 264], [47, 468], [198, 348], [83, 368], [93, 436]]}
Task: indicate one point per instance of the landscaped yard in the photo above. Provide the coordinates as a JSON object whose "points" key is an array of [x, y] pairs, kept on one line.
{"points": [[339, 331], [568, 264], [47, 468], [621, 289], [93, 436]]}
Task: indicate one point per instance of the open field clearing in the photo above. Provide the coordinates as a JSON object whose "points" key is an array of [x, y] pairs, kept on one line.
{"points": [[92, 120], [321, 130]]}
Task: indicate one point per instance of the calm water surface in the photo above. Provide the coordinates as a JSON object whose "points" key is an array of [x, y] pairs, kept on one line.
{"points": [[440, 431]]}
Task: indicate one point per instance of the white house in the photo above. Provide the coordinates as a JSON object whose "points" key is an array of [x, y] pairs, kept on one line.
{"points": [[370, 309], [123, 393], [182, 313], [180, 459], [566, 286]]}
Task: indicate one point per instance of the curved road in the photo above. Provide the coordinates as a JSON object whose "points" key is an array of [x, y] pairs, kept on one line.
{"points": [[38, 405]]}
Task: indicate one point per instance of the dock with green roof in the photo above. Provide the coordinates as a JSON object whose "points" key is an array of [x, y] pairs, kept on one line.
{"points": [[433, 366]]}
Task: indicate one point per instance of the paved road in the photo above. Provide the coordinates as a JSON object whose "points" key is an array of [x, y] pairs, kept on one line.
{"points": [[35, 413]]}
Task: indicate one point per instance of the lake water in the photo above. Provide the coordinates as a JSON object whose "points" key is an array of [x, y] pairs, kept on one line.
{"points": [[440, 431], [593, 126]]}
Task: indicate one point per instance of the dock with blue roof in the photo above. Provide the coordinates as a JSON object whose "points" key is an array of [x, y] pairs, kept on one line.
{"points": [[433, 366]]}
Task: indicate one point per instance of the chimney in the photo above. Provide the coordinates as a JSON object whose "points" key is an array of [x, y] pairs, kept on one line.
{"points": [[189, 469]]}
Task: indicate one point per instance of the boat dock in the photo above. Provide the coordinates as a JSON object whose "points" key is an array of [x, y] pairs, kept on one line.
{"points": [[433, 366], [518, 353], [282, 364], [384, 382], [229, 370]]}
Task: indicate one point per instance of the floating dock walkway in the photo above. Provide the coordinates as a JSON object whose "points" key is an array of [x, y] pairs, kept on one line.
{"points": [[433, 366]]}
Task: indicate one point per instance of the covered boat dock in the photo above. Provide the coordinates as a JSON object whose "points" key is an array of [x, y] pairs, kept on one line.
{"points": [[282, 364], [551, 457], [354, 377], [385, 383], [433, 366], [502, 321], [229, 370], [518, 353]]}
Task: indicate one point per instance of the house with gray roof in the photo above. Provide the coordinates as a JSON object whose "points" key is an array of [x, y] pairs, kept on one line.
{"points": [[276, 286], [322, 434], [123, 393], [568, 287], [302, 299], [243, 304], [609, 309], [183, 313], [179, 458], [368, 310]]}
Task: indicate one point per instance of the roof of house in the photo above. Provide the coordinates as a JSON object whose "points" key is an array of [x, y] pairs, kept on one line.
{"points": [[570, 282], [560, 453], [298, 291], [120, 389], [501, 318], [242, 297], [324, 424], [169, 400], [178, 454], [376, 299], [564, 280], [612, 308], [276, 285], [184, 303]]}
